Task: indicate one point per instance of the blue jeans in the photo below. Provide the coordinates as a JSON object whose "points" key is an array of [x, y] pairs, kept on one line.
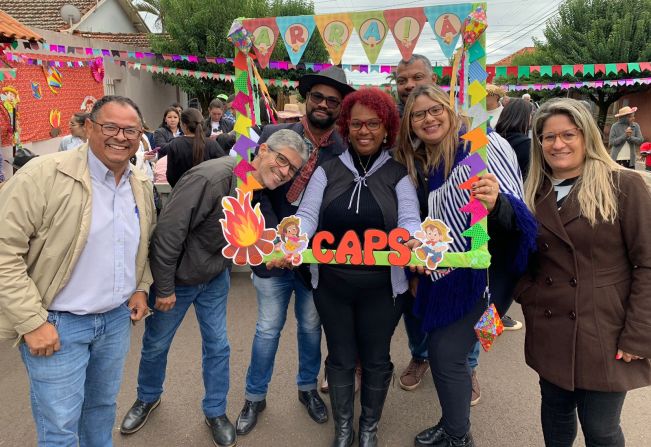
{"points": [[209, 301], [473, 356], [73, 392], [416, 336], [273, 299]]}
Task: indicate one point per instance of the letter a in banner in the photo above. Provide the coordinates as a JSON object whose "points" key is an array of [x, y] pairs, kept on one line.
{"points": [[446, 22], [296, 32], [265, 37], [372, 29]]}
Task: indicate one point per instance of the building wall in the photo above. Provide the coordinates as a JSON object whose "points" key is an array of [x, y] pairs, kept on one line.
{"points": [[108, 18], [151, 96]]}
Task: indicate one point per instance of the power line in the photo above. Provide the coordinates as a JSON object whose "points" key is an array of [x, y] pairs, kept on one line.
{"points": [[550, 15]]}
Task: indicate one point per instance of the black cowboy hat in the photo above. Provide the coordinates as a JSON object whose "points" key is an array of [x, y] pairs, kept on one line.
{"points": [[334, 76]]}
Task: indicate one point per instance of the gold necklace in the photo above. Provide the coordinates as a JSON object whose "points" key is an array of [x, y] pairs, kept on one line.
{"points": [[364, 168]]}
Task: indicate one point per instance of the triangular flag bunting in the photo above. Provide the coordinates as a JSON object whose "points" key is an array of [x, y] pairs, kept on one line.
{"points": [[296, 32], [372, 29], [335, 30], [479, 236], [405, 24], [447, 22]]}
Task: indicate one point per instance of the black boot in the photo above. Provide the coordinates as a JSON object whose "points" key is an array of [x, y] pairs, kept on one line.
{"points": [[342, 399], [375, 385], [464, 441]]}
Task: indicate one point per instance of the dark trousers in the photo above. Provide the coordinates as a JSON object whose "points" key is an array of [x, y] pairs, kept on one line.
{"points": [[448, 350], [416, 336], [359, 316], [598, 412]]}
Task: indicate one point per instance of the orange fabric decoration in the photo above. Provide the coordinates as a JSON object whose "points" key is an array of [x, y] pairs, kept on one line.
{"points": [[34, 114]]}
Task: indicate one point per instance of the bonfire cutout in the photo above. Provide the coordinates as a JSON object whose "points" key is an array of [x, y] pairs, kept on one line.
{"points": [[244, 230]]}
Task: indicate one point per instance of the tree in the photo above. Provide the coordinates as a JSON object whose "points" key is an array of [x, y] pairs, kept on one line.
{"points": [[596, 31], [151, 7], [201, 27]]}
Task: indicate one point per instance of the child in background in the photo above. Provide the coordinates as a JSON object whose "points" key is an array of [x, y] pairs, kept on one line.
{"points": [[645, 152], [77, 135]]}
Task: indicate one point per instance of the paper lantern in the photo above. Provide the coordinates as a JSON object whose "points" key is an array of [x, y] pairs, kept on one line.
{"points": [[489, 327]]}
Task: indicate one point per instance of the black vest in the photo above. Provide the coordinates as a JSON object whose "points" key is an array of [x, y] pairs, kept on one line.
{"points": [[382, 185]]}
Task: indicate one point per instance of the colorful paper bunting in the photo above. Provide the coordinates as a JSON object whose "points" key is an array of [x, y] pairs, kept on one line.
{"points": [[242, 146], [475, 163], [447, 22], [265, 37], [478, 115], [478, 235], [242, 125], [477, 92], [250, 185], [335, 30], [372, 29], [242, 168], [296, 32], [476, 72], [405, 25], [476, 209]]}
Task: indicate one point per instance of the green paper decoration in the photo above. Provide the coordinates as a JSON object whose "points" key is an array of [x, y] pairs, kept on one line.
{"points": [[546, 70], [500, 72], [588, 69], [476, 51], [241, 82], [478, 236], [567, 70], [523, 71], [633, 66], [611, 68], [439, 71]]}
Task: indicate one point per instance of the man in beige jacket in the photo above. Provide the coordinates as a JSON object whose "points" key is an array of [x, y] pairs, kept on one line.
{"points": [[74, 273]]}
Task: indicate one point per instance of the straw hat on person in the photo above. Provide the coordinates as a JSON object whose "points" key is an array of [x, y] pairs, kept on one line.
{"points": [[492, 89], [290, 111], [625, 111]]}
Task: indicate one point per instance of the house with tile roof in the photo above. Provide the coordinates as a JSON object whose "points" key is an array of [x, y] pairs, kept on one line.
{"points": [[110, 20]]}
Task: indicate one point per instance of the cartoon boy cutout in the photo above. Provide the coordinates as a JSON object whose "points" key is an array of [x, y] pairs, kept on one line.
{"points": [[436, 239]]}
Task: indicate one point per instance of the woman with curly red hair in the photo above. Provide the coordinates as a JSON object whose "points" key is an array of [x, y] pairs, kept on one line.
{"points": [[359, 306]]}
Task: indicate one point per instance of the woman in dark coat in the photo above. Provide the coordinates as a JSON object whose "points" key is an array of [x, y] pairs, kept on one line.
{"points": [[191, 148], [168, 130], [586, 303], [513, 126]]}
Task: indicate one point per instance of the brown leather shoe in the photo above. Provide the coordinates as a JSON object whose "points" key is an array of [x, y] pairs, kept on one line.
{"points": [[476, 392], [413, 374]]}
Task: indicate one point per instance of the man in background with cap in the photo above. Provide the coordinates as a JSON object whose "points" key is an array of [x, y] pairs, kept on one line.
{"points": [[323, 93], [625, 137], [494, 108]]}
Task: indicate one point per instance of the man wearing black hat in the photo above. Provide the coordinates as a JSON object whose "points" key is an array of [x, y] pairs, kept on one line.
{"points": [[323, 93]]}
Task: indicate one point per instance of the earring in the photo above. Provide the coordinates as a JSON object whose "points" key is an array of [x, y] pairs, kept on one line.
{"points": [[385, 139]]}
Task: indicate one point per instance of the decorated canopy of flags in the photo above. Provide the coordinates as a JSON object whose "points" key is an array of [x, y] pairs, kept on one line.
{"points": [[372, 27]]}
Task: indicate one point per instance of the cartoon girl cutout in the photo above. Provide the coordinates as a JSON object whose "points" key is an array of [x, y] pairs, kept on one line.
{"points": [[436, 239], [292, 242]]}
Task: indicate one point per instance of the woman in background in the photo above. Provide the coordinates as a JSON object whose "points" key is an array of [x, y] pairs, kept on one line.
{"points": [[168, 130], [191, 148], [514, 125], [77, 135]]}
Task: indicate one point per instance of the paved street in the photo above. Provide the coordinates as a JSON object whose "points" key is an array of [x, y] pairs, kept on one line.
{"points": [[507, 415]]}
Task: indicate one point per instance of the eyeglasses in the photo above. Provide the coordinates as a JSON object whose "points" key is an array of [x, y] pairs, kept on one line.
{"points": [[317, 98], [568, 136], [421, 114], [373, 124], [283, 162], [111, 130]]}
